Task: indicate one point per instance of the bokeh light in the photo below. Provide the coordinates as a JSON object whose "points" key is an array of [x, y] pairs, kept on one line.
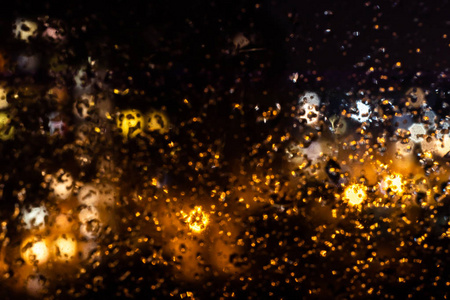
{"points": [[355, 194], [130, 123], [196, 219], [65, 247], [274, 149], [394, 184], [34, 250]]}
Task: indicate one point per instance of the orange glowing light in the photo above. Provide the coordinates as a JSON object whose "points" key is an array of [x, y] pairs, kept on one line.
{"points": [[355, 194], [34, 250], [395, 183], [197, 219], [130, 122], [65, 247], [157, 121]]}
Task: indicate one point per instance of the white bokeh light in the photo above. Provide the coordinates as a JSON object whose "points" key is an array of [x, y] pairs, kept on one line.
{"points": [[34, 217], [89, 222], [363, 112], [309, 108], [24, 29], [89, 195]]}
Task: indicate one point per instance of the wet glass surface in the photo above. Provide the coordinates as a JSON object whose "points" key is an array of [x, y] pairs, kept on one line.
{"points": [[209, 150]]}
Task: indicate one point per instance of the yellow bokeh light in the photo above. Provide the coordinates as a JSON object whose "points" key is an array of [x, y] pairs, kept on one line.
{"points": [[131, 123], [6, 129], [34, 250], [355, 194], [197, 219], [157, 121], [395, 183], [65, 247]]}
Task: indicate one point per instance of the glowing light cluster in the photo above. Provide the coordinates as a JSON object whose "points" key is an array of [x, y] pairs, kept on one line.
{"points": [[133, 122], [394, 183], [130, 122], [309, 108], [34, 217], [65, 247], [24, 29], [363, 112], [62, 184], [197, 219], [34, 251], [355, 194], [95, 175]]}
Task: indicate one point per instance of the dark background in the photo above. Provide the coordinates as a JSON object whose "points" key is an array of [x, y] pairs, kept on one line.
{"points": [[183, 49]]}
